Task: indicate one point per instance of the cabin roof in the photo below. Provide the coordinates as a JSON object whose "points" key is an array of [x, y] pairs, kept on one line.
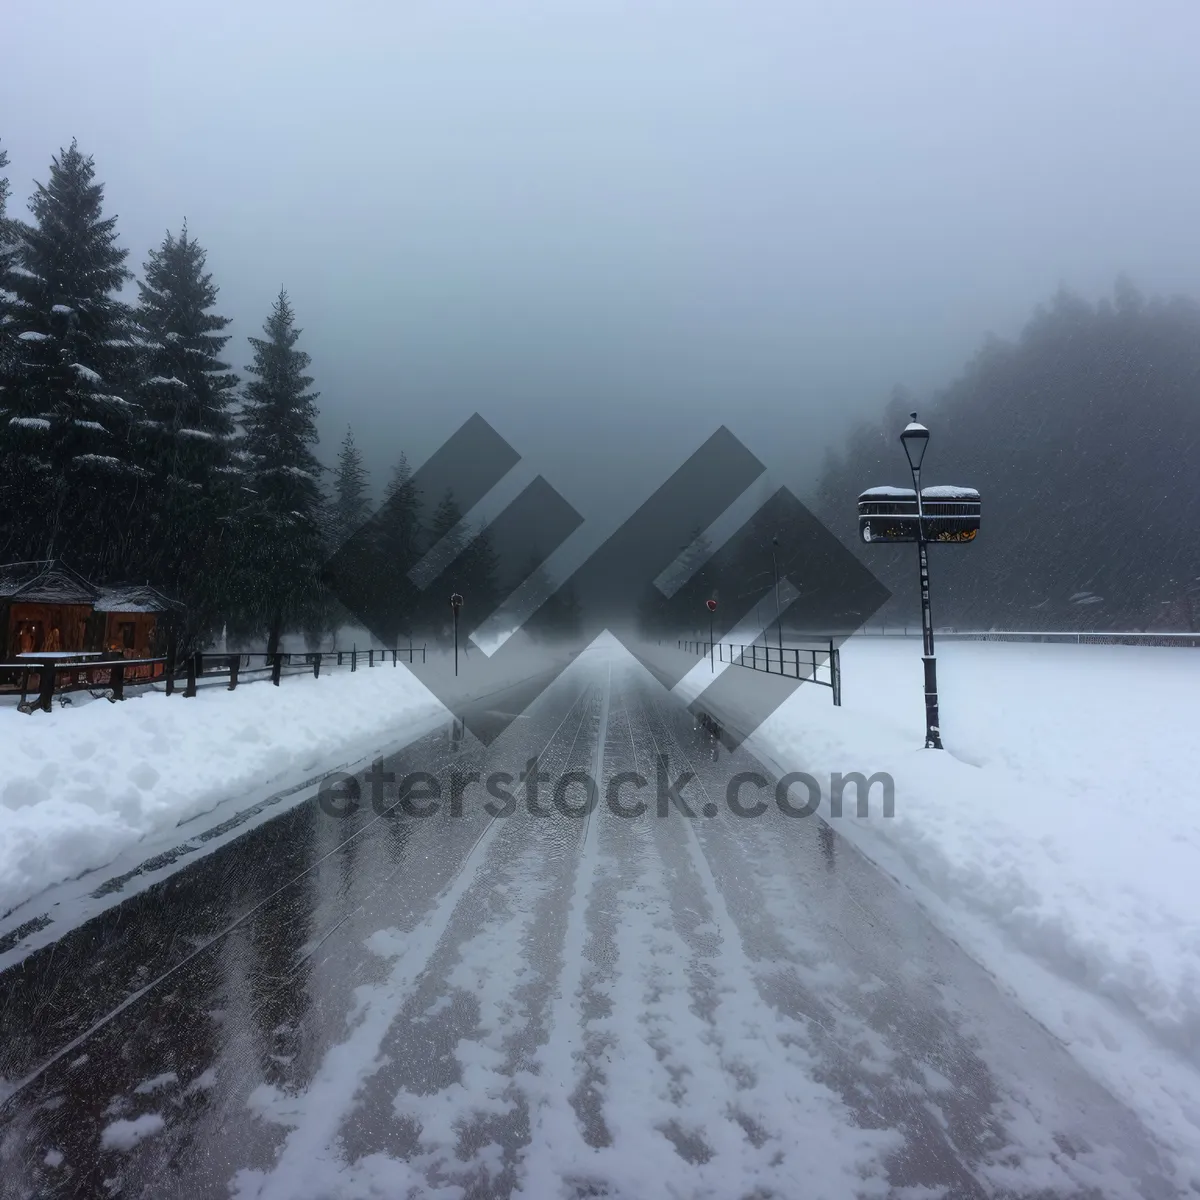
{"points": [[133, 598], [49, 581], [44, 581]]}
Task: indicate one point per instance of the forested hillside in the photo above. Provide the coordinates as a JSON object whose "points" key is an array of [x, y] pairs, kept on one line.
{"points": [[1083, 437]]}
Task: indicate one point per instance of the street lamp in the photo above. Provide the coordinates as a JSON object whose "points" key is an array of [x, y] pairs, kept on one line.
{"points": [[711, 605], [915, 440], [946, 515], [456, 603]]}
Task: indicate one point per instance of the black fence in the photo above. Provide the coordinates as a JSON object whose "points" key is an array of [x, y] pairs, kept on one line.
{"points": [[1094, 637], [820, 663], [45, 678]]}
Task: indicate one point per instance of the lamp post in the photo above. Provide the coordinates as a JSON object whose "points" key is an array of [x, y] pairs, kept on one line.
{"points": [[915, 440], [778, 610], [456, 604], [711, 605]]}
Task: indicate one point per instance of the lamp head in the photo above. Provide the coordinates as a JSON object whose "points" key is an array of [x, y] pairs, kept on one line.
{"points": [[915, 440]]}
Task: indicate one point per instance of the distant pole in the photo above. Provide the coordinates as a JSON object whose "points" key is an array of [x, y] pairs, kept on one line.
{"points": [[456, 603], [778, 610], [712, 608]]}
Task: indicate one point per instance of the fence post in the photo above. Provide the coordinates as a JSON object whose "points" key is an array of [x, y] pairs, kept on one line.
{"points": [[276, 668], [393, 656], [235, 662], [190, 689], [116, 680], [339, 654], [835, 659], [354, 659], [46, 688], [371, 657], [317, 665]]}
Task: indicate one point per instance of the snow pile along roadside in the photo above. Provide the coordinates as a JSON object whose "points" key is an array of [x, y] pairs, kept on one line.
{"points": [[1057, 837], [83, 784]]}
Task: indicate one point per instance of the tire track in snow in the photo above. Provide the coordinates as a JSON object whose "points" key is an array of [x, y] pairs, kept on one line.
{"points": [[762, 1118], [556, 1139], [482, 1126], [310, 1162]]}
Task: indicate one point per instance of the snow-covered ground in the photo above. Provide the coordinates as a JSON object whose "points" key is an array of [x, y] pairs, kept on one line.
{"points": [[1057, 838], [81, 785]]}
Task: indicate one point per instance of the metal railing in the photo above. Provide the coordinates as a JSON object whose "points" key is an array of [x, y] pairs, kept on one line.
{"points": [[1097, 637], [47, 677], [793, 662]]}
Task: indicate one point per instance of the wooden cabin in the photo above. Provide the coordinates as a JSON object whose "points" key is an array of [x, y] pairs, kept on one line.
{"points": [[44, 605]]}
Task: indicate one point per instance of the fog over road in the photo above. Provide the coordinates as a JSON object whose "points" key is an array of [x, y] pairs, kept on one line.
{"points": [[461, 1004]]}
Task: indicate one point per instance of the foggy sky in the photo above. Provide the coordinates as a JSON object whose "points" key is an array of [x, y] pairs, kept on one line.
{"points": [[610, 227]]}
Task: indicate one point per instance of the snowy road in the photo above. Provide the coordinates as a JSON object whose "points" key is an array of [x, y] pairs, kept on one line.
{"points": [[541, 1005]]}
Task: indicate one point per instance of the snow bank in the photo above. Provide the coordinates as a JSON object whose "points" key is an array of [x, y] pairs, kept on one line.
{"points": [[1057, 838], [81, 785], [124, 1135]]}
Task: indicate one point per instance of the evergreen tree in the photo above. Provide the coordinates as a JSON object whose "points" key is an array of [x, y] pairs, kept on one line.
{"points": [[443, 543], [478, 572], [350, 505], [185, 436], [8, 262], [369, 570], [284, 532], [70, 487], [445, 528], [8, 343], [397, 536], [401, 489]]}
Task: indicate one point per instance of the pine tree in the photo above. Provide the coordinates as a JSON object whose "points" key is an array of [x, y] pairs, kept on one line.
{"points": [[185, 436], [64, 441], [284, 537], [8, 343], [443, 545], [398, 544], [400, 488], [350, 505], [478, 572], [8, 261]]}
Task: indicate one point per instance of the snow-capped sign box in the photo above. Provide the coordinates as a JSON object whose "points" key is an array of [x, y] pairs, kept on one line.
{"points": [[889, 514]]}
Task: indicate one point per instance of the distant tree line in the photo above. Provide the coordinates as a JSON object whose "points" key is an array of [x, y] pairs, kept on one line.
{"points": [[131, 450], [1083, 437]]}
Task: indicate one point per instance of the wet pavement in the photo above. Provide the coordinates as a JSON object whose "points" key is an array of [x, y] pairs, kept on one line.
{"points": [[558, 1002]]}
